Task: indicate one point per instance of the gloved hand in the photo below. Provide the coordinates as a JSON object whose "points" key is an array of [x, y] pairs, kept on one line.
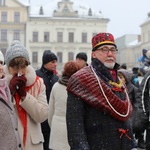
{"points": [[18, 84], [22, 88], [14, 84]]}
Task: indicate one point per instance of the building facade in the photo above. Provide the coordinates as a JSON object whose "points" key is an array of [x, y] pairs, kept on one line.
{"points": [[66, 29], [131, 46], [129, 49], [145, 33], [13, 18]]}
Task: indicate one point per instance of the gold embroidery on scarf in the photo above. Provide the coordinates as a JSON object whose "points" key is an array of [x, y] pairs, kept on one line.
{"points": [[118, 85]]}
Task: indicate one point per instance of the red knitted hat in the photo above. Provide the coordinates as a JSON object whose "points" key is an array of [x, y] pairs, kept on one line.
{"points": [[102, 39]]}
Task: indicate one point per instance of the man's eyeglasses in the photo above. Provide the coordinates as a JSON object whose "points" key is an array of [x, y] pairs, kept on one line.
{"points": [[106, 50]]}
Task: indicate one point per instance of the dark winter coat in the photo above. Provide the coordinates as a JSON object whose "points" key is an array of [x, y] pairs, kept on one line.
{"points": [[132, 89], [133, 94], [92, 129], [49, 80], [144, 93]]}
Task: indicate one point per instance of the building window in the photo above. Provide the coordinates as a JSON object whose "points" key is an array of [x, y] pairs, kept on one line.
{"points": [[35, 36], [71, 37], [84, 37], [70, 56], [4, 16], [16, 17], [59, 37], [35, 57], [59, 56], [0, 2], [16, 34], [3, 34], [46, 36]]}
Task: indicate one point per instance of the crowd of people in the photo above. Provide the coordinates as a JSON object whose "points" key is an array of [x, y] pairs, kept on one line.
{"points": [[85, 107]]}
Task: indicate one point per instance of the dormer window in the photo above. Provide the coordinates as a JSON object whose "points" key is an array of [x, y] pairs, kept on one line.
{"points": [[65, 9]]}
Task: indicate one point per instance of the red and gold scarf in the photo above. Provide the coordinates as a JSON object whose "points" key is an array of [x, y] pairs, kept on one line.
{"points": [[85, 85]]}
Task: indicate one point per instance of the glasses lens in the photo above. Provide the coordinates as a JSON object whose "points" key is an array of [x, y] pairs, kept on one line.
{"points": [[106, 50], [113, 50]]}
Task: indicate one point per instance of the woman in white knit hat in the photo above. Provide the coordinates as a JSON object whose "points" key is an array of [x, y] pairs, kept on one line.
{"points": [[29, 97], [9, 136]]}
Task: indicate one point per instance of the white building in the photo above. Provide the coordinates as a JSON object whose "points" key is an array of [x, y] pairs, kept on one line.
{"points": [[63, 26], [66, 28]]}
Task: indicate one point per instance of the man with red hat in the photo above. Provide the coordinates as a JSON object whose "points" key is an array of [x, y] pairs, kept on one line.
{"points": [[98, 106]]}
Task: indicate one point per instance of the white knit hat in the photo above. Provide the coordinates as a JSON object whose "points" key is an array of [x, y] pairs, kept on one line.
{"points": [[1, 57], [16, 49]]}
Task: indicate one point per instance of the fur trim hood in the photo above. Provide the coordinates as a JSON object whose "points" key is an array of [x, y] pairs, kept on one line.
{"points": [[127, 74]]}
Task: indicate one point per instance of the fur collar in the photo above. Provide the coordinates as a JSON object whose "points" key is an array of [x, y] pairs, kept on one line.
{"points": [[30, 75]]}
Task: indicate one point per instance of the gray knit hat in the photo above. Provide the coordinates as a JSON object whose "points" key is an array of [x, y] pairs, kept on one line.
{"points": [[16, 49]]}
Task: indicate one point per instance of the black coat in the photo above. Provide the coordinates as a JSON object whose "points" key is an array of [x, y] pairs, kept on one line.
{"points": [[49, 80], [144, 93], [99, 131]]}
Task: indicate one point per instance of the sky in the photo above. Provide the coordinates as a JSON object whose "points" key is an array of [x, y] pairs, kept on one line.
{"points": [[125, 16]]}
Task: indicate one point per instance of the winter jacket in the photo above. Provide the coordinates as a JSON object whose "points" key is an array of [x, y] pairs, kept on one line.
{"points": [[132, 89], [49, 79], [133, 96], [57, 118], [36, 106], [144, 93], [9, 135]]}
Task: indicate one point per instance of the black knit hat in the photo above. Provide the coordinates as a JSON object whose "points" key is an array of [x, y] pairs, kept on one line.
{"points": [[48, 56], [82, 55]]}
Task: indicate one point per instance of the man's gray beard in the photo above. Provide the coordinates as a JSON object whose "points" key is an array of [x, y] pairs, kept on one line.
{"points": [[109, 65]]}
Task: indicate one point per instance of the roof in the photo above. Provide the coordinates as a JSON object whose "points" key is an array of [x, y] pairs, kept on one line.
{"points": [[50, 5], [24, 2]]}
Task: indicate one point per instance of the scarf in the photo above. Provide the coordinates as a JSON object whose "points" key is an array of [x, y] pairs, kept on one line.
{"points": [[98, 93], [22, 113], [63, 80]]}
